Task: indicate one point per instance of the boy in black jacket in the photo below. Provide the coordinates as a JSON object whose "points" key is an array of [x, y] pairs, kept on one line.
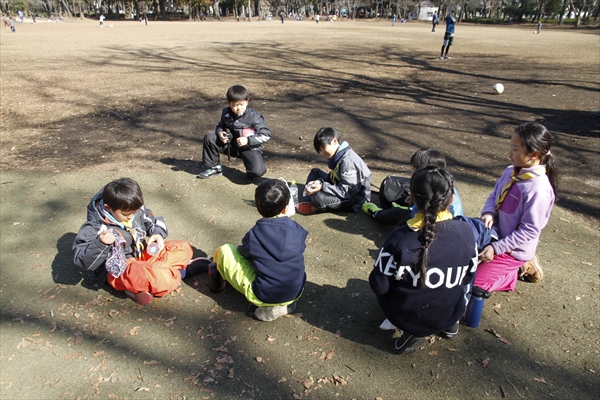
{"points": [[268, 268], [241, 132]]}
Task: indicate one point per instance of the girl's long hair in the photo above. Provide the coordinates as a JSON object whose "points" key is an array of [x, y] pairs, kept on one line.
{"points": [[536, 137], [431, 188]]}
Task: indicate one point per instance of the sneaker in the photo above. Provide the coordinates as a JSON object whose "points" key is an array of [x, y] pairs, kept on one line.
{"points": [[307, 208], [215, 281], [531, 271], [408, 343], [447, 57], [207, 173], [142, 298], [441, 57], [449, 333], [197, 266], [370, 208], [386, 325], [272, 313]]}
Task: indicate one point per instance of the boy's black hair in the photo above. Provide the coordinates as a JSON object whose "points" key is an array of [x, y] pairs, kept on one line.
{"points": [[423, 157], [237, 93], [324, 136], [271, 197], [123, 194]]}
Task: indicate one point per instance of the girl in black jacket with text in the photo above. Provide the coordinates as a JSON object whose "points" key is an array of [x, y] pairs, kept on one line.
{"points": [[424, 269]]}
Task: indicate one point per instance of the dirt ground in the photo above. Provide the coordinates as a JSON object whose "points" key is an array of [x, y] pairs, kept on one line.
{"points": [[82, 105]]}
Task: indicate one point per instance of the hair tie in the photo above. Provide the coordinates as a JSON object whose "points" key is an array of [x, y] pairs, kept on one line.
{"points": [[549, 153]]}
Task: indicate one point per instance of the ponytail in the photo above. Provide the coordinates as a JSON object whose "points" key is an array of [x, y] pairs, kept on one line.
{"points": [[536, 137]]}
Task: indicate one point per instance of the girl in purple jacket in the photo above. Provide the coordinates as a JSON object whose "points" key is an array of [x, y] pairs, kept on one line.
{"points": [[519, 207]]}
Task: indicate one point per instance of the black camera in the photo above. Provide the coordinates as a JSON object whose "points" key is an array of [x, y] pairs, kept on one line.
{"points": [[228, 134]]}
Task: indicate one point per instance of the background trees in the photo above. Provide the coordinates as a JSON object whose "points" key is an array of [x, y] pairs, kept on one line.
{"points": [[579, 11]]}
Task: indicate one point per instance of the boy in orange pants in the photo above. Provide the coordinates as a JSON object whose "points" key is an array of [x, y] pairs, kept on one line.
{"points": [[113, 244]]}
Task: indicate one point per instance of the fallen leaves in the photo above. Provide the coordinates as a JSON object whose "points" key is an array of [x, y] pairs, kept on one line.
{"points": [[500, 338]]}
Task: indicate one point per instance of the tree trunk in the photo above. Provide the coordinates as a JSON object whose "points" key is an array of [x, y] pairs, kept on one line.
{"points": [[163, 11]]}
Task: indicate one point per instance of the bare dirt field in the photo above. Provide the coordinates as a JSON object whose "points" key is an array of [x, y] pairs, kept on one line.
{"points": [[82, 105]]}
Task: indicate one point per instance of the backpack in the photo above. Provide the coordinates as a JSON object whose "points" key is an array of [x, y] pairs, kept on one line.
{"points": [[394, 189]]}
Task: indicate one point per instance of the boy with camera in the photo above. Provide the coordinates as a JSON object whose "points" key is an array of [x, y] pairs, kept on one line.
{"points": [[241, 133]]}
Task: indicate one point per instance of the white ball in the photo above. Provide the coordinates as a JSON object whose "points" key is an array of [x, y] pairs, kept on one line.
{"points": [[498, 88]]}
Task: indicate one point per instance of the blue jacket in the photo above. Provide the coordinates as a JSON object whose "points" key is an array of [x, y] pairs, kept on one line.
{"points": [[275, 246], [450, 21]]}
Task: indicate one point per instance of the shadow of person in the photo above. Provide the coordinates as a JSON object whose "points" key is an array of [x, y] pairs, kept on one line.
{"points": [[349, 312], [63, 269], [189, 166]]}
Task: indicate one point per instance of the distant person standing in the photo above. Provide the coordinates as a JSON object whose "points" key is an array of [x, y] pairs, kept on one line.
{"points": [[33, 17], [145, 18], [449, 35], [102, 18], [11, 24], [394, 20], [317, 17], [434, 21], [539, 28], [20, 13], [282, 16]]}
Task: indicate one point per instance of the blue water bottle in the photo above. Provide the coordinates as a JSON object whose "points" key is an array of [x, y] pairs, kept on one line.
{"points": [[475, 307]]}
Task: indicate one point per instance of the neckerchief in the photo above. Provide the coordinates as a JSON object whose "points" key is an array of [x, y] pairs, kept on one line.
{"points": [[138, 244], [333, 165], [418, 221], [540, 170]]}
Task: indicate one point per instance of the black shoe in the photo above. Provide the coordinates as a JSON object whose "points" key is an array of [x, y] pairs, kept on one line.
{"points": [[449, 333], [212, 171], [408, 343], [197, 266], [215, 281]]}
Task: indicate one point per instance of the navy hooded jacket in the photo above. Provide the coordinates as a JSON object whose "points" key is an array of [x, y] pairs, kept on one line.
{"points": [[275, 247]]}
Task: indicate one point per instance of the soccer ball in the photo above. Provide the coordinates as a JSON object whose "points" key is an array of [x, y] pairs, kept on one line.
{"points": [[498, 88]]}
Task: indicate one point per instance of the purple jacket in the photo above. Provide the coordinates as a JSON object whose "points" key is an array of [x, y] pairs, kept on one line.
{"points": [[523, 214]]}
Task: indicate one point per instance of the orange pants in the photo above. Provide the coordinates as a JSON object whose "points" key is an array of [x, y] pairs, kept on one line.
{"points": [[159, 275]]}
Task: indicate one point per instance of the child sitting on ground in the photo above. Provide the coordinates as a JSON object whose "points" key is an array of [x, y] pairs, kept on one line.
{"points": [[347, 185], [424, 268], [394, 192], [241, 132], [112, 244], [268, 268]]}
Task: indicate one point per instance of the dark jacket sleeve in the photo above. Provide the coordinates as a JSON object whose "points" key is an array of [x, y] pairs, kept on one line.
{"points": [[380, 284], [152, 224], [89, 252], [244, 248], [262, 133]]}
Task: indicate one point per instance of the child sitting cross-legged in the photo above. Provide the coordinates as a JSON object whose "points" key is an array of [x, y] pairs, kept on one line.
{"points": [[345, 187], [268, 267], [112, 243]]}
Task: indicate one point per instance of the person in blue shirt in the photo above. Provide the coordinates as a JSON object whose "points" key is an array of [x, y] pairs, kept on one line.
{"points": [[449, 35]]}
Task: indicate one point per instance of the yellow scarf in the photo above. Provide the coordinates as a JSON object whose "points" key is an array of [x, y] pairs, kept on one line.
{"points": [[541, 170], [418, 221]]}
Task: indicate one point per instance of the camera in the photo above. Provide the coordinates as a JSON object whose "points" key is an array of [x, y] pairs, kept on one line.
{"points": [[228, 134]]}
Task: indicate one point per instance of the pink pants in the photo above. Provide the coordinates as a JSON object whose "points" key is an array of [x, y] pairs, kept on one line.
{"points": [[499, 274]]}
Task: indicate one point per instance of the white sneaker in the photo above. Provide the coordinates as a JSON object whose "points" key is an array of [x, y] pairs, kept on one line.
{"points": [[448, 57], [441, 57]]}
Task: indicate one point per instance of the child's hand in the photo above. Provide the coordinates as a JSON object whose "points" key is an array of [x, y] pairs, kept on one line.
{"points": [[106, 237], [313, 187], [488, 220], [242, 141], [158, 240], [223, 137], [487, 254]]}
